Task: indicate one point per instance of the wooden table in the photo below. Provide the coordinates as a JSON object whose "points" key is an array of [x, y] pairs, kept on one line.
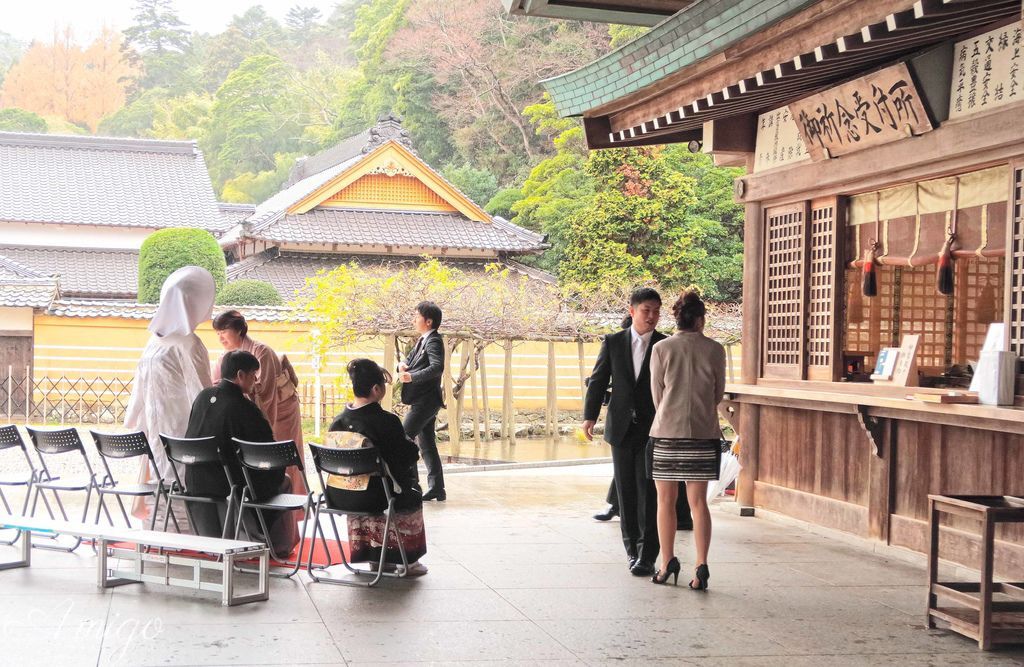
{"points": [[977, 616]]}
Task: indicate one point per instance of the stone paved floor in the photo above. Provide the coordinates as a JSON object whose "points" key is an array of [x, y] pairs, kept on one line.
{"points": [[519, 574]]}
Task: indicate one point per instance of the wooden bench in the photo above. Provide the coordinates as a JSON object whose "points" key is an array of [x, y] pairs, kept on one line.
{"points": [[976, 614], [151, 552]]}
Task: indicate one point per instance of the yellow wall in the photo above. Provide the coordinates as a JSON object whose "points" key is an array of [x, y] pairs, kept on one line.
{"points": [[74, 347]]}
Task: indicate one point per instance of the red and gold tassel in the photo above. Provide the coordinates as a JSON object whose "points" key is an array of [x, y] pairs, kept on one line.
{"points": [[869, 281]]}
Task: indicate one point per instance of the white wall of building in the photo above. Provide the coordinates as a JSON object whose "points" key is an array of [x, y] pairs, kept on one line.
{"points": [[71, 236]]}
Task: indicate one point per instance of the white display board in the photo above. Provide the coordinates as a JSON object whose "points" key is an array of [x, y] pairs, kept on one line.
{"points": [[987, 71]]}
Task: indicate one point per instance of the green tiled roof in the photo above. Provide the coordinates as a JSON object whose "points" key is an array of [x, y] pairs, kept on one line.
{"points": [[704, 28]]}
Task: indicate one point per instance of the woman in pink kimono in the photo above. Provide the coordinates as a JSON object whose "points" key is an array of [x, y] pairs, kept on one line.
{"points": [[276, 383]]}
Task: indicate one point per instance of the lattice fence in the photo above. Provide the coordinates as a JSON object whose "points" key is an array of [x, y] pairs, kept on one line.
{"points": [[1016, 251]]}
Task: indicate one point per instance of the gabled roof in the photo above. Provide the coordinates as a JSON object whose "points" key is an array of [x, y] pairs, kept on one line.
{"points": [[83, 180], [82, 271], [305, 213]]}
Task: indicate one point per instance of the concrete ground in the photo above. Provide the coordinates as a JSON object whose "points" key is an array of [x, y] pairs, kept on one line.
{"points": [[519, 573]]}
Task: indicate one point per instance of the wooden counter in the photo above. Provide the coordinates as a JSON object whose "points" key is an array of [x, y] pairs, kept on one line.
{"points": [[863, 459]]}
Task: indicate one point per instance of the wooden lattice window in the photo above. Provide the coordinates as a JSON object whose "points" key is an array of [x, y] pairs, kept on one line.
{"points": [[785, 235], [922, 310], [822, 288], [978, 303], [1015, 265], [869, 321]]}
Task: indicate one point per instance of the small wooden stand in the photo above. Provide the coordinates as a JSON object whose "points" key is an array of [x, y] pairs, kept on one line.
{"points": [[976, 616], [905, 373]]}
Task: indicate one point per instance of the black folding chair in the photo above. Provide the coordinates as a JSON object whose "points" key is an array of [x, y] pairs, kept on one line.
{"points": [[351, 463], [9, 439], [127, 446], [55, 442], [268, 457], [195, 451]]}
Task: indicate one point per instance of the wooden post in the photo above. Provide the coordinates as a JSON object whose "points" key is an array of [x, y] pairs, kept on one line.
{"points": [[552, 409], [476, 409], [389, 364], [750, 369], [485, 394], [508, 424], [583, 376], [453, 408]]}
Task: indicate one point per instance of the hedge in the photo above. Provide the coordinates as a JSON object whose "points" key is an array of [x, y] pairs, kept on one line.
{"points": [[167, 250], [249, 293]]}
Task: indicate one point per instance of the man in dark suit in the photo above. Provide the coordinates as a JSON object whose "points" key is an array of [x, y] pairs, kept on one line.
{"points": [[223, 411], [421, 374], [625, 362]]}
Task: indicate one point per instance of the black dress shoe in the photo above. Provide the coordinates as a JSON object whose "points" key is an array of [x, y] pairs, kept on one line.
{"points": [[642, 569], [607, 515], [435, 494]]}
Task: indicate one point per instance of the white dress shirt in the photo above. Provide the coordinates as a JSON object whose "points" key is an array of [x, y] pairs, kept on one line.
{"points": [[640, 343]]}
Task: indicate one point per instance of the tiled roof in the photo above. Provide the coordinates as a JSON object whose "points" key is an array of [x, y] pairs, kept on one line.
{"points": [[410, 229], [233, 214], [82, 271], [105, 181], [145, 311], [288, 271], [693, 34], [27, 292]]}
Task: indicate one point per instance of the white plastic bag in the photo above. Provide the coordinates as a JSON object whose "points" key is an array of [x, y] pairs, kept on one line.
{"points": [[728, 473]]}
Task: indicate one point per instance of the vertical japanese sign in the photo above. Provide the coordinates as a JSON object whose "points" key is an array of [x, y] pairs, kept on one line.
{"points": [[986, 71], [778, 141], [875, 109]]}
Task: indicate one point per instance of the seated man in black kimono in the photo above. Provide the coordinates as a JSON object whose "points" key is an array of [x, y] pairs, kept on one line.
{"points": [[223, 411]]}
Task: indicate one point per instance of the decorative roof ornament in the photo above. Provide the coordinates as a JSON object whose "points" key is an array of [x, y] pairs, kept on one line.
{"points": [[388, 128]]}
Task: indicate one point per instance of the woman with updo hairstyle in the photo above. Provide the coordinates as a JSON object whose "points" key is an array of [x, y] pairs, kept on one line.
{"points": [[687, 384], [276, 388], [365, 416]]}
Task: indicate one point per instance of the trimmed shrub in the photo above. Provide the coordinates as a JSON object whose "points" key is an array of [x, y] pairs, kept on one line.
{"points": [[249, 293], [19, 120], [167, 250]]}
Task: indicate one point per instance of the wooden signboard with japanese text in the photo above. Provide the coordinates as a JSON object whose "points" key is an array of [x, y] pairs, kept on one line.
{"points": [[987, 71], [875, 109], [778, 141]]}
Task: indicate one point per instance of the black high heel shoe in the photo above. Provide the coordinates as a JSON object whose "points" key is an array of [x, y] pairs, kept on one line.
{"points": [[671, 568], [701, 576]]}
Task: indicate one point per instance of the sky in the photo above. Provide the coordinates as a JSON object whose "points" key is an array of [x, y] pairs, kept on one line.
{"points": [[36, 20]]}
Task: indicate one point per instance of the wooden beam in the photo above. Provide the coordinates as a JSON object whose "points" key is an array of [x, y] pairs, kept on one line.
{"points": [[737, 134]]}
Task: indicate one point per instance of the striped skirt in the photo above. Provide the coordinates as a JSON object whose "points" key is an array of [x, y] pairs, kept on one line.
{"points": [[684, 460]]}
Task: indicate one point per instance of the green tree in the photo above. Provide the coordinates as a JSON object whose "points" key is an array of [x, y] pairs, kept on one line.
{"points": [[250, 188], [503, 201], [165, 251], [477, 184], [19, 120], [558, 186], [161, 41], [10, 51], [256, 114], [135, 118], [249, 293]]}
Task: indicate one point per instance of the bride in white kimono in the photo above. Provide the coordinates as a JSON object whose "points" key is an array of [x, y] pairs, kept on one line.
{"points": [[175, 365]]}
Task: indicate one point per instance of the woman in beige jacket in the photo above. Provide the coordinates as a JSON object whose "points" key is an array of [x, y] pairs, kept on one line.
{"points": [[687, 383]]}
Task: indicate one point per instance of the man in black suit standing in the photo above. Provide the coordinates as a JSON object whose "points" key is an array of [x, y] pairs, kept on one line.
{"points": [[625, 362], [421, 375]]}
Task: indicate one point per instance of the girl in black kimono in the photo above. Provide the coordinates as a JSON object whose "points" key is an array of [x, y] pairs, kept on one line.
{"points": [[364, 415]]}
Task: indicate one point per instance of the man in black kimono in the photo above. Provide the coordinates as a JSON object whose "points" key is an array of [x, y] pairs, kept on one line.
{"points": [[223, 411]]}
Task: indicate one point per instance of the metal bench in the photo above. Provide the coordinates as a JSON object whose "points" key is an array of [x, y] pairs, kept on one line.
{"points": [[149, 553]]}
